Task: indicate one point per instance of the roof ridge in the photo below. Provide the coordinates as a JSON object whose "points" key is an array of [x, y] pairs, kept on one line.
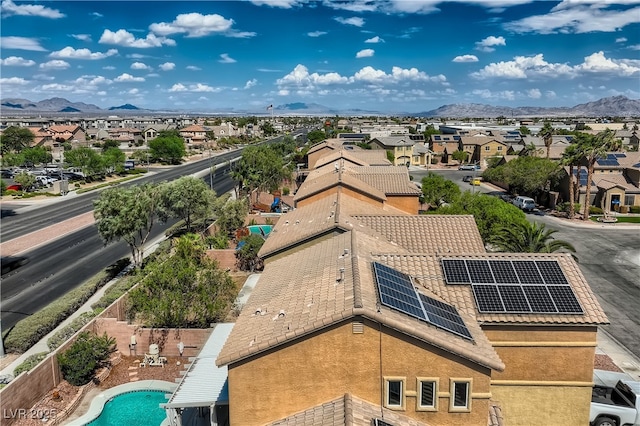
{"points": [[348, 410], [357, 288]]}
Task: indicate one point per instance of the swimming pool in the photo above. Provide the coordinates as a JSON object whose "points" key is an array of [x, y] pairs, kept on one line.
{"points": [[135, 403], [141, 407]]}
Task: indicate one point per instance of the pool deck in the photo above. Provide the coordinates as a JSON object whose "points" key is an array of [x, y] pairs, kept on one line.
{"points": [[98, 401]]}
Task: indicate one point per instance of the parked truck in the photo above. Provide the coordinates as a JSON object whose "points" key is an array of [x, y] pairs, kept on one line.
{"points": [[616, 406]]}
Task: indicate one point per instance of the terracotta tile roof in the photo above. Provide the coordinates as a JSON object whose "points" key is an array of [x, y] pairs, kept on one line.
{"points": [[428, 272], [326, 215], [332, 157], [311, 298], [346, 410], [610, 180], [373, 157], [495, 414], [435, 234], [479, 140], [193, 128], [394, 140], [327, 143], [392, 180], [64, 128], [322, 179]]}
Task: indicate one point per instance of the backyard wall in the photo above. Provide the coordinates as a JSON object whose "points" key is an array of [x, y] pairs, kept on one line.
{"points": [[17, 398]]}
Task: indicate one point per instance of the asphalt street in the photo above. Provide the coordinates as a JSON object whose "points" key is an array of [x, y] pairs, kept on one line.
{"points": [[608, 256]]}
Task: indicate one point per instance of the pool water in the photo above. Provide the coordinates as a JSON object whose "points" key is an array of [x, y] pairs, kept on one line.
{"points": [[136, 408]]}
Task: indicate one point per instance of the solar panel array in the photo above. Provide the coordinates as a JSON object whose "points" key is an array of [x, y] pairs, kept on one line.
{"points": [[514, 286], [611, 159], [397, 292], [583, 175]]}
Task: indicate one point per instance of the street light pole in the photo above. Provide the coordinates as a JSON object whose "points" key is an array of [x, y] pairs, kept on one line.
{"points": [[210, 170]]}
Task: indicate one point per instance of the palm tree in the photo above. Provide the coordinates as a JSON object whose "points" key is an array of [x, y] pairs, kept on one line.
{"points": [[571, 157], [593, 147], [547, 136], [527, 237]]}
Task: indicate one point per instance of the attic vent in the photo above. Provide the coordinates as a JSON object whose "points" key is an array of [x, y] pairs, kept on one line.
{"points": [[357, 327]]}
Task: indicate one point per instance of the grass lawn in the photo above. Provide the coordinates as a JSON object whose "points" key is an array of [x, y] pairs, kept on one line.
{"points": [[621, 219]]}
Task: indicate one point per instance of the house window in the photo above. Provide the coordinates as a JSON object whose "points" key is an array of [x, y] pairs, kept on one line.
{"points": [[394, 393], [487, 148], [629, 200], [427, 394], [460, 392], [499, 148]]}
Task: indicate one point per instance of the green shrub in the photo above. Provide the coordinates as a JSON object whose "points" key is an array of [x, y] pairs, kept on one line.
{"points": [[114, 292], [564, 207], [31, 329], [30, 362], [285, 191], [595, 210], [87, 354], [66, 332], [634, 209]]}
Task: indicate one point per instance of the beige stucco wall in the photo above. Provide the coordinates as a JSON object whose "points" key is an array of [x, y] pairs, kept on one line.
{"points": [[405, 203], [550, 367], [327, 365]]}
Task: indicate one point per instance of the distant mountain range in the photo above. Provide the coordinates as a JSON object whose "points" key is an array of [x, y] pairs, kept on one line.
{"points": [[612, 106]]}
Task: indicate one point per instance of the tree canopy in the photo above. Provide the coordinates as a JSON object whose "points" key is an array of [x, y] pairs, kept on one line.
{"points": [[527, 237], [168, 147], [15, 138], [188, 198], [86, 159], [261, 167], [490, 213], [316, 136], [437, 190], [525, 175]]}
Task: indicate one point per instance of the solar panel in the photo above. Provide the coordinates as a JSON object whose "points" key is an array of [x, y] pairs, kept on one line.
{"points": [[488, 298], [513, 298], [455, 271], [527, 272], [620, 155], [565, 299], [637, 165], [539, 299], [515, 286], [503, 271], [479, 271], [397, 292], [551, 272]]}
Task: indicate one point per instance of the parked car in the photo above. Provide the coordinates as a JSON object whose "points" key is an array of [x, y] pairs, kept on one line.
{"points": [[467, 178], [475, 182], [7, 174], [14, 187], [615, 406], [469, 167], [524, 203]]}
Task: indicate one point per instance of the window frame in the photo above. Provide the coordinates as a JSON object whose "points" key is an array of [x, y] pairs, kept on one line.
{"points": [[452, 392], [436, 384], [403, 388]]}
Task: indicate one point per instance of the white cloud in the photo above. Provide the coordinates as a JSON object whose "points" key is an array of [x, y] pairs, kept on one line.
{"points": [[598, 63], [356, 21], [621, 39], [96, 15], [316, 33], [9, 8], [71, 53], [524, 67], [81, 37], [109, 68], [17, 61], [251, 83], [13, 81], [283, 4], [375, 39], [365, 53], [465, 58], [193, 68], [22, 43], [635, 47], [128, 78], [550, 94], [226, 59], [486, 44], [56, 64], [579, 16], [126, 39], [508, 95], [198, 87], [140, 66], [534, 93], [194, 25], [167, 66], [302, 79]]}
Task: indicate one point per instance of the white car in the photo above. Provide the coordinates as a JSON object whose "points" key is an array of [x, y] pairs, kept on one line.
{"points": [[524, 203]]}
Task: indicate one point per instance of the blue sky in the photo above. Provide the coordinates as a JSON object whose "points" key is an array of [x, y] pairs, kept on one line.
{"points": [[394, 55]]}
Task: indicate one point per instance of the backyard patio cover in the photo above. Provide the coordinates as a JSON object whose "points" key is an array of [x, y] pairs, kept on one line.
{"points": [[205, 384]]}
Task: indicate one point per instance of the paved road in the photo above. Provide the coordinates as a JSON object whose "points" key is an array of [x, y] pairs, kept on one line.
{"points": [[609, 258]]}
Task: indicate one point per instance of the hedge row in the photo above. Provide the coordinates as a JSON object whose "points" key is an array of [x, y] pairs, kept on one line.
{"points": [[29, 363], [27, 332], [67, 331]]}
